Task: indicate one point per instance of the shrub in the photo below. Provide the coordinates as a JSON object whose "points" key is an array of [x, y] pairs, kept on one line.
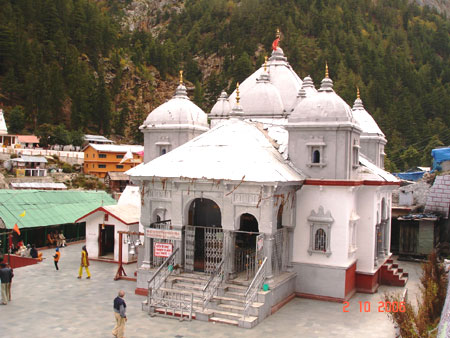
{"points": [[67, 168], [433, 291]]}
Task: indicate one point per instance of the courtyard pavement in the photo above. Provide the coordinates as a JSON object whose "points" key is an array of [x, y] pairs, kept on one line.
{"points": [[50, 303]]}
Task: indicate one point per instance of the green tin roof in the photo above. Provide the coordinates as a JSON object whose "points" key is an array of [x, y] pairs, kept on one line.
{"points": [[48, 207]]}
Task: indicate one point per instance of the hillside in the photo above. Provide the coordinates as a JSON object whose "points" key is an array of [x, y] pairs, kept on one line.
{"points": [[102, 66]]}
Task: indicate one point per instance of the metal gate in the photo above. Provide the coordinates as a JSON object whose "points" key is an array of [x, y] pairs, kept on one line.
{"points": [[212, 247]]}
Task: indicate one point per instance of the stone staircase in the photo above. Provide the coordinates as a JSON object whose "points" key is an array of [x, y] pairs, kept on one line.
{"points": [[226, 307], [392, 275]]}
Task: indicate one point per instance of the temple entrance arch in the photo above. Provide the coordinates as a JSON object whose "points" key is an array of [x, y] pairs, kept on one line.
{"points": [[204, 236], [245, 246]]}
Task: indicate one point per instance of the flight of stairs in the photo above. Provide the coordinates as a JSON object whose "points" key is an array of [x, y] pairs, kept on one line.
{"points": [[227, 307], [392, 275]]}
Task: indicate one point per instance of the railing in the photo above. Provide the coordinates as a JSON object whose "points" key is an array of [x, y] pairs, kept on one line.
{"points": [[245, 260], [213, 283], [179, 303], [255, 286], [159, 277]]}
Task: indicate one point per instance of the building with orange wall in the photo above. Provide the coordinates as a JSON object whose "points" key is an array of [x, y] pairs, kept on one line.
{"points": [[99, 159]]}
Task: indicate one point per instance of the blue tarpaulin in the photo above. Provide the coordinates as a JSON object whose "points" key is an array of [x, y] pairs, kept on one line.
{"points": [[440, 155], [410, 176]]}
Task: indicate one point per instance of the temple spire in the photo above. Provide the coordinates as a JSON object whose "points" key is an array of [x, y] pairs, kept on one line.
{"points": [[237, 93], [326, 69], [357, 93], [181, 77]]}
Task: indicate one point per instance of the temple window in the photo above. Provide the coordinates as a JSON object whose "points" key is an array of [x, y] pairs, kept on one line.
{"points": [[320, 232], [316, 149]]}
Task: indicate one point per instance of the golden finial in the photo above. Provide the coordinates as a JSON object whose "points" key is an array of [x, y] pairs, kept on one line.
{"points": [[265, 63], [181, 77], [278, 33], [357, 93], [326, 69], [237, 93]]}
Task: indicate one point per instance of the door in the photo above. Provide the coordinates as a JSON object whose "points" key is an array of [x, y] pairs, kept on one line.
{"points": [[106, 239]]}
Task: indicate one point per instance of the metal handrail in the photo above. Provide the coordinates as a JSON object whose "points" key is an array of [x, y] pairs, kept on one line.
{"points": [[156, 274], [255, 285], [213, 283], [213, 275]]}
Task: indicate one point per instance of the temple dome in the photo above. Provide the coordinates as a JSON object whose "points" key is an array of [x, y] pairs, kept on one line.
{"points": [[365, 120], [263, 99], [325, 106], [179, 110], [282, 77], [222, 107]]}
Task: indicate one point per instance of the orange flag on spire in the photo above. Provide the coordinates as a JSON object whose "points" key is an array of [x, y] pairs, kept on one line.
{"points": [[275, 43], [16, 229]]}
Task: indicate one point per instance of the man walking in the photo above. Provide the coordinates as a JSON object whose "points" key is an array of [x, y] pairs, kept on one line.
{"points": [[6, 276], [119, 313]]}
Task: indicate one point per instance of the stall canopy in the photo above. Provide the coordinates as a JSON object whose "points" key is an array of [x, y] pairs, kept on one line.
{"points": [[40, 208]]}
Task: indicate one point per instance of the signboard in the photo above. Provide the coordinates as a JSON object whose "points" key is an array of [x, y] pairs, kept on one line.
{"points": [[20, 172], [162, 249], [163, 234]]}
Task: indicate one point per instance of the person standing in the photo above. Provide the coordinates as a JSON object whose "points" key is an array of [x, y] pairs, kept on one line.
{"points": [[84, 263], [6, 275], [120, 308], [56, 258]]}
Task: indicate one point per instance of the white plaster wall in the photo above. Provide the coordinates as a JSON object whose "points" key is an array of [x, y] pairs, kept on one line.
{"points": [[92, 234], [176, 138], [368, 200], [339, 202], [336, 154]]}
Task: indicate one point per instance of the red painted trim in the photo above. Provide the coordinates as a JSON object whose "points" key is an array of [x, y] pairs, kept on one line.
{"points": [[141, 292], [318, 297], [110, 260], [278, 306], [350, 280], [339, 183], [106, 212]]}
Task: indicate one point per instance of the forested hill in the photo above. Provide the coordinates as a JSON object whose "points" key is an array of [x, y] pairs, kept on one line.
{"points": [[101, 66]]}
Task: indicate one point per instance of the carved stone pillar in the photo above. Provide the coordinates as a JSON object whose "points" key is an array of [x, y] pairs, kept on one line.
{"points": [[229, 253], [147, 250], [290, 248], [268, 251]]}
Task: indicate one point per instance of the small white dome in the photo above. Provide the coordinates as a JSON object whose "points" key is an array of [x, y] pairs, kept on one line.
{"points": [[365, 120], [177, 111], [325, 106], [282, 76], [263, 99], [222, 106]]}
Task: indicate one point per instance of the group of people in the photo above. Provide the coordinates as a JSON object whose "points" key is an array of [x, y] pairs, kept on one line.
{"points": [[56, 238]]}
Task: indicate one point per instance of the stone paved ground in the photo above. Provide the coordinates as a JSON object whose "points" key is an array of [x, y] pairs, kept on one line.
{"points": [[49, 303]]}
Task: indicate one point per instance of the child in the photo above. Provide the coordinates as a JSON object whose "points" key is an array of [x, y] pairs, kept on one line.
{"points": [[56, 258]]}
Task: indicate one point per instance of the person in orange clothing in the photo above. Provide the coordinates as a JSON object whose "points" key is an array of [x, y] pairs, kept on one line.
{"points": [[56, 258], [84, 263]]}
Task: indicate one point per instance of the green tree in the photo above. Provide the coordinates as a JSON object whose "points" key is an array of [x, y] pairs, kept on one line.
{"points": [[16, 120]]}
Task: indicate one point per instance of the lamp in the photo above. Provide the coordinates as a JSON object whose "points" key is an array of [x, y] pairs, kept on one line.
{"points": [[138, 242], [125, 241]]}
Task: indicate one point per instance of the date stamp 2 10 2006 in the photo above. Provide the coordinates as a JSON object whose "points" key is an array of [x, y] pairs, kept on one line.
{"points": [[382, 307]]}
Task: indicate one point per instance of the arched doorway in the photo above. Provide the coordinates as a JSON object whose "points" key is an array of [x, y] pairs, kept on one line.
{"points": [[248, 230], [245, 245], [204, 236]]}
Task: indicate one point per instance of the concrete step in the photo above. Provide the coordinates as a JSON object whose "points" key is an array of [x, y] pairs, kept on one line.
{"points": [[182, 291], [234, 288], [202, 276], [185, 279], [178, 314], [231, 308], [224, 321], [189, 286], [405, 274], [226, 300], [233, 294]]}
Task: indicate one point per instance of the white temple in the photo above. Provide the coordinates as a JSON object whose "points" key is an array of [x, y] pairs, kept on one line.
{"points": [[286, 172]]}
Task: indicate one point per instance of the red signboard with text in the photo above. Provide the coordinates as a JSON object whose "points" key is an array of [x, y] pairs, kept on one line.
{"points": [[162, 249]]}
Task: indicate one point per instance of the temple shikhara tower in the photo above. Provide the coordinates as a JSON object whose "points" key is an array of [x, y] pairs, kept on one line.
{"points": [[285, 190]]}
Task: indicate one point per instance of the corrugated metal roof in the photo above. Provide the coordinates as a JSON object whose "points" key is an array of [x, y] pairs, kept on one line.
{"points": [[97, 138], [48, 207], [116, 148], [27, 158], [38, 185], [28, 139], [126, 213], [118, 176]]}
